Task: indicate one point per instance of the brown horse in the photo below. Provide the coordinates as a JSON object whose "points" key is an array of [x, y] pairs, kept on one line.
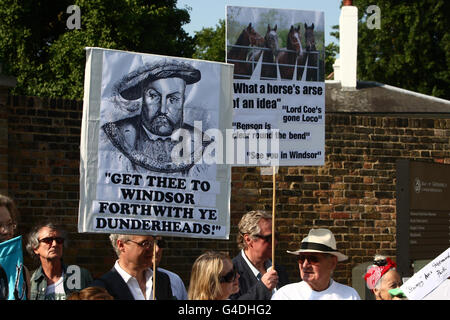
{"points": [[239, 52], [269, 66], [310, 56], [293, 55]]}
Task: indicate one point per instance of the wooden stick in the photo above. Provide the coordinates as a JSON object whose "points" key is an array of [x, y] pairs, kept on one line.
{"points": [[154, 270], [273, 216]]}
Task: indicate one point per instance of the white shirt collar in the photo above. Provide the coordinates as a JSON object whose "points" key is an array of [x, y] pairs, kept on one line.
{"points": [[267, 265], [311, 291], [126, 276], [133, 284]]}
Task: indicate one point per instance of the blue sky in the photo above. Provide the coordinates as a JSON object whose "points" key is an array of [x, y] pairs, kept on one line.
{"points": [[206, 13]]}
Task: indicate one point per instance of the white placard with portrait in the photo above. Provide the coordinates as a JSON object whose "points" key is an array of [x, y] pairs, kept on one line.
{"points": [[148, 122]]}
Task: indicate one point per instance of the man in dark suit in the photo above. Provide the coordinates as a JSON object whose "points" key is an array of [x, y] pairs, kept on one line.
{"points": [[131, 278], [257, 279]]}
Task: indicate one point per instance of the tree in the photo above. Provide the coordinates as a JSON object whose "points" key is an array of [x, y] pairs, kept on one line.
{"points": [[411, 49], [48, 59], [210, 43]]}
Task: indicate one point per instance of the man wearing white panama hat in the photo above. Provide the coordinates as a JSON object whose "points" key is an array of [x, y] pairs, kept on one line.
{"points": [[317, 258]]}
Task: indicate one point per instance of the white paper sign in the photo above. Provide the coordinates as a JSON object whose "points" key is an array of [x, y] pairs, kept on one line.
{"points": [[279, 88], [147, 124], [428, 278]]}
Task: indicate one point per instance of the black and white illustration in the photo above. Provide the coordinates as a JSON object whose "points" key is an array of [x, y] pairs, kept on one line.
{"points": [[155, 96], [148, 122]]}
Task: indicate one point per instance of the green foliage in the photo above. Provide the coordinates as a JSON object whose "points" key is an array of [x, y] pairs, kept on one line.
{"points": [[48, 59], [411, 50], [210, 43]]}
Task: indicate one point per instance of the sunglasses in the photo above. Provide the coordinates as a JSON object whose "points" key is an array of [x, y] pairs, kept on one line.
{"points": [[229, 277], [267, 238], [144, 244], [49, 240], [311, 258]]}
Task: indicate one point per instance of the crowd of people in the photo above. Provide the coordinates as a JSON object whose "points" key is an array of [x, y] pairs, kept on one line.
{"points": [[214, 276]]}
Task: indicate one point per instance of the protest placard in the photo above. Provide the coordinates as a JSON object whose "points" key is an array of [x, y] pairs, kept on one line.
{"points": [[148, 122], [12, 279], [278, 89], [428, 278]]}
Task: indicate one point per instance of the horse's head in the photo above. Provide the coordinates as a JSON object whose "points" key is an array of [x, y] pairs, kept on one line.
{"points": [[254, 38], [271, 39], [293, 40], [309, 38]]}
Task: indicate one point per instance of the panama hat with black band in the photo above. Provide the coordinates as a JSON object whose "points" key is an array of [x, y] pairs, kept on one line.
{"points": [[320, 241]]}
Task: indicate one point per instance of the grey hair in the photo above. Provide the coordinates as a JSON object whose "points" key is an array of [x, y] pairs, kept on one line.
{"points": [[113, 237], [33, 236], [378, 257], [249, 225]]}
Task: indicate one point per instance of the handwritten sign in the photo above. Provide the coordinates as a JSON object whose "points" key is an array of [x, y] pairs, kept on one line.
{"points": [[428, 278]]}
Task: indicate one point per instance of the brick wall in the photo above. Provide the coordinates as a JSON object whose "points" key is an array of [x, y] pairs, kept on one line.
{"points": [[353, 194], [43, 154]]}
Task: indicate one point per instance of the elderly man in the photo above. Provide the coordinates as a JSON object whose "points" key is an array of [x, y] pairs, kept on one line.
{"points": [[258, 280], [317, 258], [145, 139], [53, 280], [131, 278]]}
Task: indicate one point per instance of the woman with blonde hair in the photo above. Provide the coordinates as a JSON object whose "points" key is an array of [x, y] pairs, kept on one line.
{"points": [[213, 277]]}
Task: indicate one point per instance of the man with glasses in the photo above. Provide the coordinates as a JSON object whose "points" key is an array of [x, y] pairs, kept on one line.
{"points": [[258, 280], [317, 258], [53, 280], [131, 278]]}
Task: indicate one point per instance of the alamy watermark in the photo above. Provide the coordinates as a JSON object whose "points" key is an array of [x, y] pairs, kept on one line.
{"points": [[374, 20], [74, 20], [236, 147]]}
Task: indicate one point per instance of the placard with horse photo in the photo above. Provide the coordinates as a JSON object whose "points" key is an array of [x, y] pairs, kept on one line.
{"points": [[279, 89]]}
